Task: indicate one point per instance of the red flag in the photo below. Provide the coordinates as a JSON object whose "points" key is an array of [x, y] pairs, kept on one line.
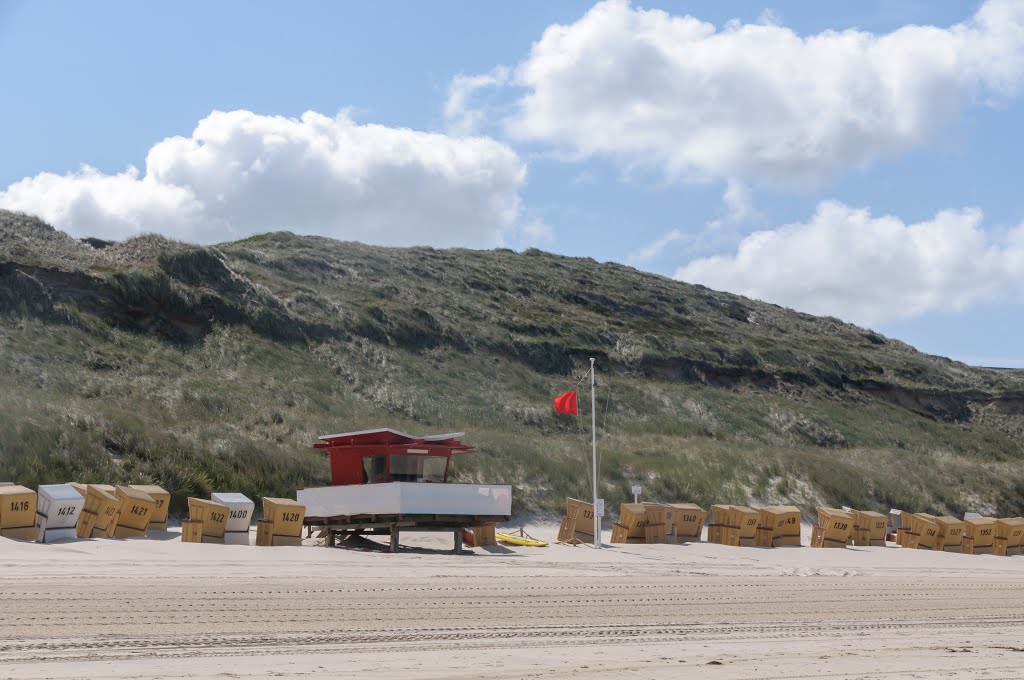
{"points": [[566, 403]]}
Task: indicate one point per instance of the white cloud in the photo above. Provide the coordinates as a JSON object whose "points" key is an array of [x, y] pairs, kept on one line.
{"points": [[844, 262], [756, 102], [656, 248], [241, 173], [536, 232], [737, 200], [738, 208], [461, 117]]}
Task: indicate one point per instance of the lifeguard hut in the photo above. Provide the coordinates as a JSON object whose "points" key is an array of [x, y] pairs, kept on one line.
{"points": [[385, 482], [380, 456]]}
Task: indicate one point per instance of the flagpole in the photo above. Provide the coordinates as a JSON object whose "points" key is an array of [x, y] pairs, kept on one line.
{"points": [[593, 432]]}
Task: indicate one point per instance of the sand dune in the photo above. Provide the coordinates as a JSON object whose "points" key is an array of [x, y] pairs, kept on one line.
{"points": [[144, 609]]}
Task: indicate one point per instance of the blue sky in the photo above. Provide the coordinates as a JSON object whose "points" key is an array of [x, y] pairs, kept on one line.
{"points": [[876, 162]]}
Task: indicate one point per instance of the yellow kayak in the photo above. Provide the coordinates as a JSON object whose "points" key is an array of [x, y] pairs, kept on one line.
{"points": [[520, 540]]}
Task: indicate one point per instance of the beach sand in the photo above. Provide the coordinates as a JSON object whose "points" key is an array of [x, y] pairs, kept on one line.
{"points": [[163, 609]]}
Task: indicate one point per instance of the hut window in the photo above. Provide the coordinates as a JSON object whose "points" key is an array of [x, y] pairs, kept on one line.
{"points": [[417, 468], [375, 469]]}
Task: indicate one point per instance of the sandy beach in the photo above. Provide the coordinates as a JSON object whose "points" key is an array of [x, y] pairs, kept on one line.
{"points": [[162, 609]]}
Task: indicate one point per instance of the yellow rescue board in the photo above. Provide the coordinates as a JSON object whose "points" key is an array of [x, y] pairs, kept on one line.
{"points": [[519, 540]]}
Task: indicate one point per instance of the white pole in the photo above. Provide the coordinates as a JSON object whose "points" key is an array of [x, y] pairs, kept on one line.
{"points": [[593, 430]]}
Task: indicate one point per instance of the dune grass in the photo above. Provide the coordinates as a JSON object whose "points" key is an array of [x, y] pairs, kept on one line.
{"points": [[215, 369]]}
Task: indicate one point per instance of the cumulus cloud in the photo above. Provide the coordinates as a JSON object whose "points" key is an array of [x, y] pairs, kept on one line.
{"points": [[461, 116], [536, 232], [737, 200], [845, 262], [738, 208], [756, 102], [656, 248], [241, 173]]}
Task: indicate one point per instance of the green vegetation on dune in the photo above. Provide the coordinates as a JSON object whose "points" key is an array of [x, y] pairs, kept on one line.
{"points": [[208, 369]]}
